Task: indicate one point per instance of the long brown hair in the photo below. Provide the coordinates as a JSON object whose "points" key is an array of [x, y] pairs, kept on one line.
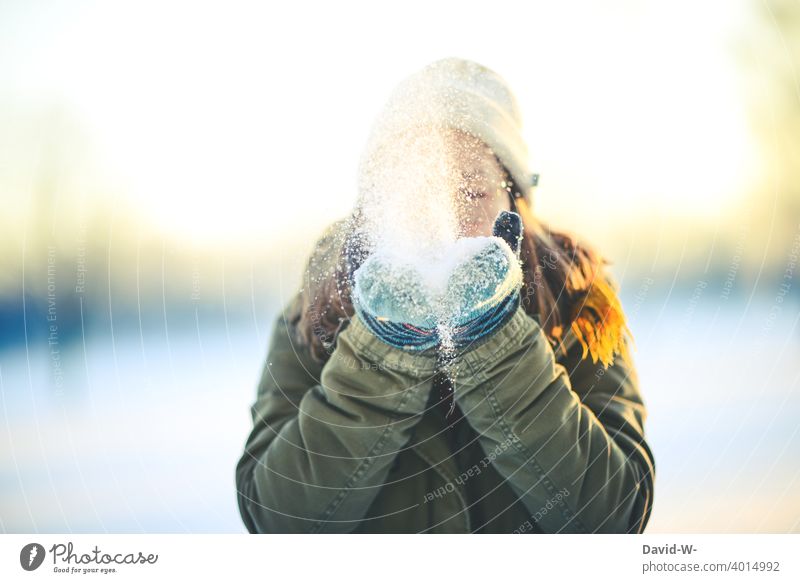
{"points": [[565, 287]]}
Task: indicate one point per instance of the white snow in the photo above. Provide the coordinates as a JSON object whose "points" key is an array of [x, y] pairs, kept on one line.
{"points": [[435, 265], [409, 179]]}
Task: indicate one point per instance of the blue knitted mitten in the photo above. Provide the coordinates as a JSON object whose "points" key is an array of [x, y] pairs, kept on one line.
{"points": [[481, 294]]}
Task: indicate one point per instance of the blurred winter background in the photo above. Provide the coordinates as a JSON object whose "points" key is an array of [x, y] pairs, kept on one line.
{"points": [[165, 167]]}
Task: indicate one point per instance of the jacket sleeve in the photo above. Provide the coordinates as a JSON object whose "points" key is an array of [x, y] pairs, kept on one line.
{"points": [[569, 438], [320, 450]]}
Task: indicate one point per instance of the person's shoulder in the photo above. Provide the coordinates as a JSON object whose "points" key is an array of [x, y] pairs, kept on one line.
{"points": [[334, 230], [327, 247]]}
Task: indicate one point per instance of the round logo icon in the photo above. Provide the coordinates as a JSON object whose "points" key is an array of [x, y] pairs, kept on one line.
{"points": [[31, 556]]}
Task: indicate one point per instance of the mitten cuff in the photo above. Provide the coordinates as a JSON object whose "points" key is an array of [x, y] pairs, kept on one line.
{"points": [[373, 348]]}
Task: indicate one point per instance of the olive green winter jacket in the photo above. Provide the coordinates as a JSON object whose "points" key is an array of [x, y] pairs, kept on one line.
{"points": [[541, 443]]}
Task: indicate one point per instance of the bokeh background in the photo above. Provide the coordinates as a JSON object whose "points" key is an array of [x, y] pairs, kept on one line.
{"points": [[165, 168]]}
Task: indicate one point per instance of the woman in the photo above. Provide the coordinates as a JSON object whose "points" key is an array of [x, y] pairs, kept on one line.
{"points": [[534, 421]]}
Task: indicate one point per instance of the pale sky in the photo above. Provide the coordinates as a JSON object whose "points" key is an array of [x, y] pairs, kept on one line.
{"points": [[219, 122]]}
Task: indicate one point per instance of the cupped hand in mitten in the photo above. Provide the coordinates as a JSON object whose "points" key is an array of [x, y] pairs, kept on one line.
{"points": [[456, 299]]}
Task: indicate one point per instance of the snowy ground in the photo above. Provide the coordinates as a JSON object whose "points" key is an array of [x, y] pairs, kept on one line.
{"points": [[144, 434]]}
